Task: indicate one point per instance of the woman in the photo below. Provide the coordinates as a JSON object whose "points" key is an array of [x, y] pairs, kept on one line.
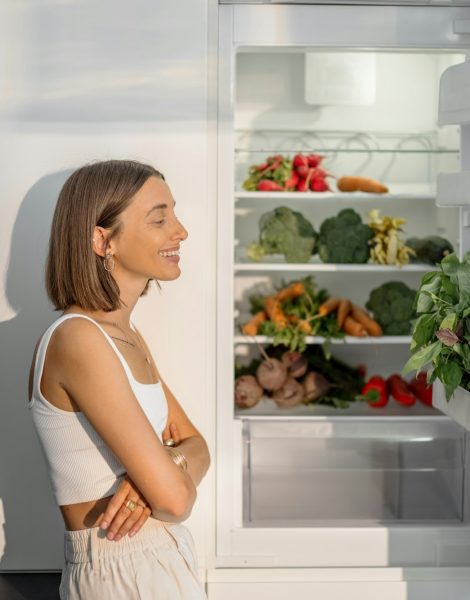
{"points": [[98, 402]]}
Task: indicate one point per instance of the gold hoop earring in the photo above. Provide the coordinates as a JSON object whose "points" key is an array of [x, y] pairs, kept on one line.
{"points": [[108, 262]]}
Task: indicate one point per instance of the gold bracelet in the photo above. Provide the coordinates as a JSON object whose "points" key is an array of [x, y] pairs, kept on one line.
{"points": [[178, 457]]}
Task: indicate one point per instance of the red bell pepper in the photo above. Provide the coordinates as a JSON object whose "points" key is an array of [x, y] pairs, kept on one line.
{"points": [[375, 392], [400, 390], [421, 388]]}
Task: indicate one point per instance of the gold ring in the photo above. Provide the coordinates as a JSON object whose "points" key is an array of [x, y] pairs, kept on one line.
{"points": [[131, 505], [141, 504]]}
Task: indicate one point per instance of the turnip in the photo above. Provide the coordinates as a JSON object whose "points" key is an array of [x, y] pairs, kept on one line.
{"points": [[291, 394], [315, 385], [295, 362], [247, 391], [271, 374]]}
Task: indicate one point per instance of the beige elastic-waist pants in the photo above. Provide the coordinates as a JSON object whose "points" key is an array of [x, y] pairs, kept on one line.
{"points": [[158, 563]]}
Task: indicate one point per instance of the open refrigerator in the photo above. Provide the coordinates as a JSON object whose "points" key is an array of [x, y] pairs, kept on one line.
{"points": [[381, 91]]}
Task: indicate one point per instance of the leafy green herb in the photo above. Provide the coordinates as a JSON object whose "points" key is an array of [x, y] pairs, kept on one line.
{"points": [[441, 333]]}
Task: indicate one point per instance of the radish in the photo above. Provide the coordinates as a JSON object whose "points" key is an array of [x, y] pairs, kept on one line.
{"points": [[291, 394], [271, 374], [292, 182], [266, 185], [302, 185], [318, 184], [299, 160], [314, 160], [248, 392]]}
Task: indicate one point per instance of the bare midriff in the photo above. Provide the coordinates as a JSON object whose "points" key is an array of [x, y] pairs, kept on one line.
{"points": [[84, 514]]}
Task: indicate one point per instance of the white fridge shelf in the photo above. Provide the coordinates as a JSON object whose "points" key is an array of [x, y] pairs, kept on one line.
{"points": [[349, 339], [409, 192], [312, 267], [267, 408]]}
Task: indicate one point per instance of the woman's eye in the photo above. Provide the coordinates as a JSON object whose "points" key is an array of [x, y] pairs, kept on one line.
{"points": [[160, 222]]}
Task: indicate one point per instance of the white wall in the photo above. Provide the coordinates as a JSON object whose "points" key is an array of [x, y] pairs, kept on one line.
{"points": [[80, 81]]}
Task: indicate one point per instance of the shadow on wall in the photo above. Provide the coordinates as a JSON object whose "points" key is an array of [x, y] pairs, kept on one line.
{"points": [[33, 526]]}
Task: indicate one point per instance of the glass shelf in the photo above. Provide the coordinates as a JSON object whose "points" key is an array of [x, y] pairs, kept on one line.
{"points": [[331, 151]]}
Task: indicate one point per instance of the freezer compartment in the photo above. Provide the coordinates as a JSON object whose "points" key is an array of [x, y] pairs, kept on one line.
{"points": [[352, 471]]}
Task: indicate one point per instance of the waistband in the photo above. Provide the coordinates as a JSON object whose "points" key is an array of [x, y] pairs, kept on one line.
{"points": [[92, 545]]}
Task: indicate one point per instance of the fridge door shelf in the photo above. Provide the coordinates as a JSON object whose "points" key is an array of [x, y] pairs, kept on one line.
{"points": [[453, 189], [458, 407], [346, 471]]}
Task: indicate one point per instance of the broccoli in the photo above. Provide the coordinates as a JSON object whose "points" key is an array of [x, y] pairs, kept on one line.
{"points": [[392, 306], [284, 231], [344, 238]]}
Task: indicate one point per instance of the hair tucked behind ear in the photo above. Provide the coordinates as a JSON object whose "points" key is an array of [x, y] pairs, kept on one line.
{"points": [[94, 195]]}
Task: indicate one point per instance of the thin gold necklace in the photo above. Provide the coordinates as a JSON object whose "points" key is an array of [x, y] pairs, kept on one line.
{"points": [[147, 359]]}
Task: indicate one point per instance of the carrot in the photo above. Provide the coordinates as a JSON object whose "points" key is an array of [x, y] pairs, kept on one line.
{"points": [[290, 292], [328, 306], [353, 327], [303, 324], [361, 184], [344, 309], [274, 312], [252, 326], [361, 316]]}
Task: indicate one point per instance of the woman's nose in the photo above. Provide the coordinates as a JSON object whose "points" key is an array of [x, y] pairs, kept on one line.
{"points": [[181, 231]]}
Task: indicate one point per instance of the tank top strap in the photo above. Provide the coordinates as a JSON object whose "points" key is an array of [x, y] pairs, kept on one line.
{"points": [[43, 344]]}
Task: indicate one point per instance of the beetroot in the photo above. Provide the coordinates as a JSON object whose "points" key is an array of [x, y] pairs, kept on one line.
{"points": [[315, 385], [271, 374], [295, 363], [291, 394], [248, 392]]}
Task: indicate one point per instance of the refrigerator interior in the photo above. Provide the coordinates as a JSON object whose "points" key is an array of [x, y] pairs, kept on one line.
{"points": [[372, 114]]}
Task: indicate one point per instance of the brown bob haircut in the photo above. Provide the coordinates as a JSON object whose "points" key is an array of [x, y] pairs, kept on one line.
{"points": [[94, 195]]}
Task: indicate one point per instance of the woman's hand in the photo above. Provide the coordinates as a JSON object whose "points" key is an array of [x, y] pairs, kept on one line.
{"points": [[171, 431], [118, 518]]}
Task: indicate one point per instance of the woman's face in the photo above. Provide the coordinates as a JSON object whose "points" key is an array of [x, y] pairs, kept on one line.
{"points": [[149, 242]]}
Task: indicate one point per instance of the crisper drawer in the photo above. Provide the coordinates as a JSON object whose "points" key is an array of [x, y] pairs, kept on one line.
{"points": [[301, 473]]}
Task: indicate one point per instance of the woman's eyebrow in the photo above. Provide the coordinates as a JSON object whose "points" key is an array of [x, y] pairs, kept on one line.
{"points": [[158, 207]]}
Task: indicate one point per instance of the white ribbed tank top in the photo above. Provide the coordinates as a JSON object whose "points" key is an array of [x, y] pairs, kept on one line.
{"points": [[81, 466]]}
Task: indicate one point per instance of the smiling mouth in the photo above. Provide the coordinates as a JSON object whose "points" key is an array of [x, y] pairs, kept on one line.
{"points": [[170, 253]]}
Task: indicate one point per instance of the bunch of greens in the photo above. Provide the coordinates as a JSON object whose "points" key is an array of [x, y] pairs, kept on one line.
{"points": [[284, 231], [300, 313], [441, 333]]}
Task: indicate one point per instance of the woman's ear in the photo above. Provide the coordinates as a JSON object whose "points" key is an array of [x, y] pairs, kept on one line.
{"points": [[99, 241]]}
